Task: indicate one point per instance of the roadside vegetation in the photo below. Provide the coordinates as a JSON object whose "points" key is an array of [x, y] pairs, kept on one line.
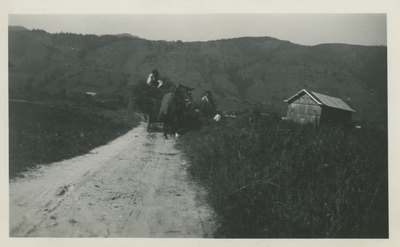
{"points": [[275, 179], [49, 130]]}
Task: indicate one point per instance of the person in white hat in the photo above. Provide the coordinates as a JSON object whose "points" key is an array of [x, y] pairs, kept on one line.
{"points": [[153, 79]]}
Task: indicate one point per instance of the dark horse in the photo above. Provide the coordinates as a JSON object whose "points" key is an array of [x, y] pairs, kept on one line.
{"points": [[174, 107]]}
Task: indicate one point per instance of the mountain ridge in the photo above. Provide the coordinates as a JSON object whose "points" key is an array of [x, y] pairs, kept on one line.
{"points": [[127, 35], [242, 72], [17, 28]]}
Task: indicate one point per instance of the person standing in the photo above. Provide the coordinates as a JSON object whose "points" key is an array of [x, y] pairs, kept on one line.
{"points": [[205, 97], [208, 104]]}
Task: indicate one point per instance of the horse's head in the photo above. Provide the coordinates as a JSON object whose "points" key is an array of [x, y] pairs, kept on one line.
{"points": [[183, 95]]}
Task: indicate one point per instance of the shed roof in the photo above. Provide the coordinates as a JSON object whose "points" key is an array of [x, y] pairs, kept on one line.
{"points": [[322, 99]]}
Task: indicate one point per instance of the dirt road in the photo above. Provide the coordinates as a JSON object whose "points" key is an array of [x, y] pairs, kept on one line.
{"points": [[136, 186]]}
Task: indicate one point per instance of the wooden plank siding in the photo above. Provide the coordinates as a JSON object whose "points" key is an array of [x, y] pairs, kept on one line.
{"points": [[304, 110]]}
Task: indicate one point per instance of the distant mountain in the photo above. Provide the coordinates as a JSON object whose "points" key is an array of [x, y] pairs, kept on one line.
{"points": [[17, 28], [241, 73], [127, 35]]}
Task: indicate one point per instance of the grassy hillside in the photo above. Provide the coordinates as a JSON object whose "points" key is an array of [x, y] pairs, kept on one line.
{"points": [[42, 133], [241, 72]]}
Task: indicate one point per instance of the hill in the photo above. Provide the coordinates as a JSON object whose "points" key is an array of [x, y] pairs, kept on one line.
{"points": [[17, 28], [127, 35], [242, 73]]}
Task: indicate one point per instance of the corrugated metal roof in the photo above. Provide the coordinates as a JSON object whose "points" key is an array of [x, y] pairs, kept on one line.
{"points": [[322, 99], [332, 102]]}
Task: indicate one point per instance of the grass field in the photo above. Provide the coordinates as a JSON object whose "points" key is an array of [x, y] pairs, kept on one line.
{"points": [[274, 179], [42, 133], [265, 179]]}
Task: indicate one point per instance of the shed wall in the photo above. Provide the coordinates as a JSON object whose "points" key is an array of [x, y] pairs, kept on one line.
{"points": [[303, 110], [334, 115]]}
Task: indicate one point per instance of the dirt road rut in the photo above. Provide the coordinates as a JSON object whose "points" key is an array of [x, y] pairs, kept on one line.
{"points": [[136, 186]]}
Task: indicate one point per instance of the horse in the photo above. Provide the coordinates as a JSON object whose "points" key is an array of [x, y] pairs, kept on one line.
{"points": [[173, 109]]}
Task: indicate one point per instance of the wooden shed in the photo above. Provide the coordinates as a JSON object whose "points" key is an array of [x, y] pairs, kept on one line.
{"points": [[310, 107]]}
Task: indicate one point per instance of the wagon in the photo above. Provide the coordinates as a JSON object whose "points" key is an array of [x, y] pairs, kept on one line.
{"points": [[151, 115], [153, 124]]}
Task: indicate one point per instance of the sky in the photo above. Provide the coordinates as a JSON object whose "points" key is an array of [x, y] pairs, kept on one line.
{"points": [[304, 29]]}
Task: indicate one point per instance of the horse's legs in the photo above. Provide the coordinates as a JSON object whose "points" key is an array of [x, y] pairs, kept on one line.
{"points": [[148, 123], [165, 129], [172, 128], [176, 127], [164, 120], [167, 126]]}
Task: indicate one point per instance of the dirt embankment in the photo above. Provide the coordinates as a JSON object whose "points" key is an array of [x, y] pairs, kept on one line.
{"points": [[136, 186]]}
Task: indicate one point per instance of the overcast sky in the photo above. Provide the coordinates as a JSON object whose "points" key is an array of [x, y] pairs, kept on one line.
{"points": [[304, 29]]}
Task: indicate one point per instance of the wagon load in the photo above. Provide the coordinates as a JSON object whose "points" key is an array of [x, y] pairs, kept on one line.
{"points": [[147, 100]]}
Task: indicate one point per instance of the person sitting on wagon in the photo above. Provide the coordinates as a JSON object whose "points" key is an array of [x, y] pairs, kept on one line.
{"points": [[153, 79]]}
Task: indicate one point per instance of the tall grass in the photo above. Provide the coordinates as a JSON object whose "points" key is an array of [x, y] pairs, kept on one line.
{"points": [[274, 179], [39, 134]]}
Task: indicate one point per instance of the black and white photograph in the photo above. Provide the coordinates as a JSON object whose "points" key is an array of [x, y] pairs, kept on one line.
{"points": [[164, 121]]}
